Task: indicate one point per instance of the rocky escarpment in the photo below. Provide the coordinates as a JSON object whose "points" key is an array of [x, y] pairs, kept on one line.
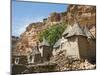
{"points": [[86, 15]]}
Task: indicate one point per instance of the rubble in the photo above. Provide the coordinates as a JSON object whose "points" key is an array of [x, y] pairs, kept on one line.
{"points": [[71, 64]]}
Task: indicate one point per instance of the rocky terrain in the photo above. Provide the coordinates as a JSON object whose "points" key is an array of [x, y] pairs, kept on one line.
{"points": [[72, 64], [86, 15], [59, 63]]}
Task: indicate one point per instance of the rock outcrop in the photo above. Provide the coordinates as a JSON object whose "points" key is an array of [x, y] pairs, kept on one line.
{"points": [[86, 15], [71, 64]]}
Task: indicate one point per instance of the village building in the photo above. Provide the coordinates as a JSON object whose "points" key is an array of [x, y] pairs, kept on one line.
{"points": [[92, 43], [34, 56], [60, 45], [57, 47], [19, 58], [77, 41], [45, 50], [40, 53], [26, 58]]}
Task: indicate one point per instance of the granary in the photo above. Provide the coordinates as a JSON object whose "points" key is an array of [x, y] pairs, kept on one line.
{"points": [[57, 47], [45, 50], [67, 30], [60, 45], [78, 42], [27, 58], [34, 56], [92, 43], [19, 58]]}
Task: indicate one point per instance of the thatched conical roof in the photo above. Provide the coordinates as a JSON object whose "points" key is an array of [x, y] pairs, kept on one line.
{"points": [[76, 30], [88, 33], [44, 43], [35, 51], [67, 30], [57, 44]]}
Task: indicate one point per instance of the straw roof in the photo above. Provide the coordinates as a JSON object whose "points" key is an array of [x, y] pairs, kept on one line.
{"points": [[35, 51], [67, 30], [44, 43], [57, 44], [76, 30], [88, 33]]}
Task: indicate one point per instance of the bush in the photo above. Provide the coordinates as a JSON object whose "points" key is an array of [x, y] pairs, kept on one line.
{"points": [[53, 33]]}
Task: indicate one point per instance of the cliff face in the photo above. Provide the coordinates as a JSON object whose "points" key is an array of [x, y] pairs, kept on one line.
{"points": [[86, 15], [29, 38]]}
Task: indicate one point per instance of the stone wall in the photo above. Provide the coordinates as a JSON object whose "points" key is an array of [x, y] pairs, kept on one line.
{"points": [[92, 48], [83, 47], [47, 53], [72, 49]]}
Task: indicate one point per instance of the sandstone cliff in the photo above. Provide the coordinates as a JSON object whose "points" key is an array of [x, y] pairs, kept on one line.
{"points": [[86, 15]]}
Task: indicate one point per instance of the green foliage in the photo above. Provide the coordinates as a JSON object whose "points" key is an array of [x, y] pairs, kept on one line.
{"points": [[53, 33]]}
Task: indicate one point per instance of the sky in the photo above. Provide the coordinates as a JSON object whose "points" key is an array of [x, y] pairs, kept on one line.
{"points": [[24, 13]]}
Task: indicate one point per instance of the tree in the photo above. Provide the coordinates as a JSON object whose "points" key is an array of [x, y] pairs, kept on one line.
{"points": [[53, 33]]}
